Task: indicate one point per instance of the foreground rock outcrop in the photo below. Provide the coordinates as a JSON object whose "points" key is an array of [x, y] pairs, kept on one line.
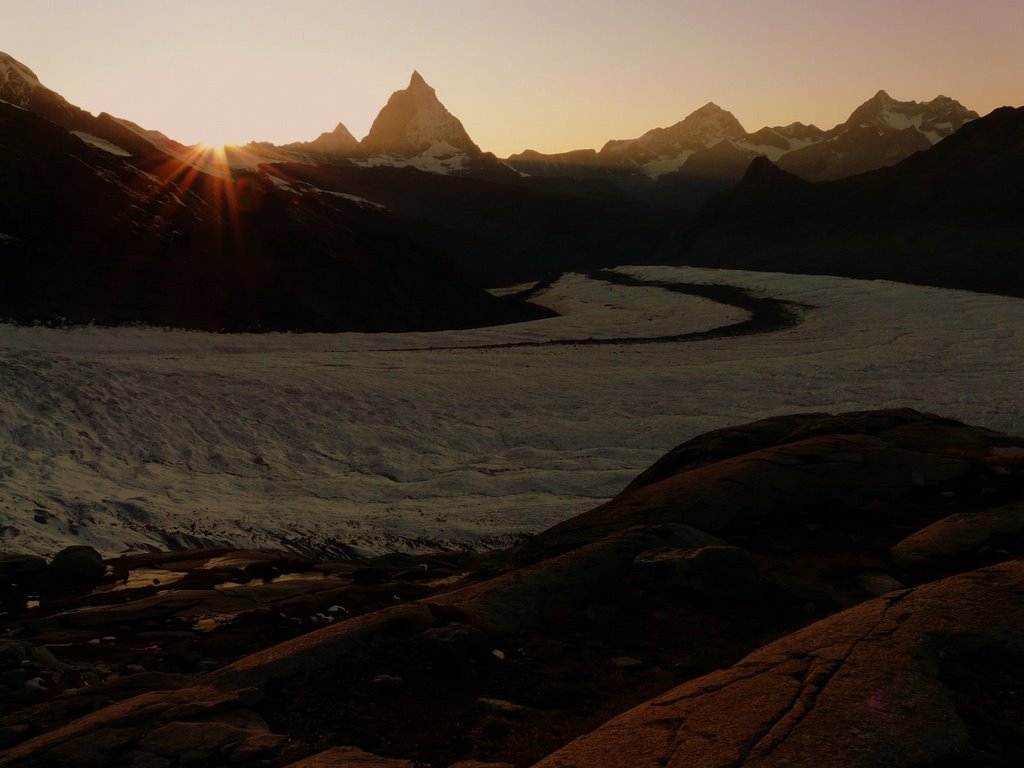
{"points": [[800, 590], [894, 681]]}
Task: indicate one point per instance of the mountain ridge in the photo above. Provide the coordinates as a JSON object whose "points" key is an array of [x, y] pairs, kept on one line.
{"points": [[879, 132], [415, 129], [949, 215]]}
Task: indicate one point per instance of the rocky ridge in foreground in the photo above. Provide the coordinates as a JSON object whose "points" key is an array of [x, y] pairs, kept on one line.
{"points": [[804, 587]]}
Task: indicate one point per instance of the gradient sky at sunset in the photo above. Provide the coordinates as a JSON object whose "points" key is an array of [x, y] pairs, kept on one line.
{"points": [[546, 75]]}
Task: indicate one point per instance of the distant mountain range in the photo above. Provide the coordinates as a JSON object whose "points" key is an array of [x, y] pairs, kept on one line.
{"points": [[415, 129], [880, 132], [104, 220], [681, 167], [952, 215]]}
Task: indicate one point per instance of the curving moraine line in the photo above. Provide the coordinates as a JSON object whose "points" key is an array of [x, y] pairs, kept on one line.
{"points": [[767, 315]]}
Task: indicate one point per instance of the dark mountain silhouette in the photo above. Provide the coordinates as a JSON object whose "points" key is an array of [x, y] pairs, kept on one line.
{"points": [[20, 87], [949, 216], [89, 236], [504, 229]]}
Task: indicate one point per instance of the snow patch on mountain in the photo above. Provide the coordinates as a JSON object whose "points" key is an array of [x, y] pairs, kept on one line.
{"points": [[774, 152], [664, 165], [360, 201], [282, 184], [98, 143], [440, 157]]}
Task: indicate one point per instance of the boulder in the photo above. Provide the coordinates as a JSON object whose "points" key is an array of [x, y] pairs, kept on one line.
{"points": [[743, 479], [78, 563], [961, 536], [878, 583]]}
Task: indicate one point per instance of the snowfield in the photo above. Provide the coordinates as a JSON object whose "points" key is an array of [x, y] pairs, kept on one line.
{"points": [[133, 438]]}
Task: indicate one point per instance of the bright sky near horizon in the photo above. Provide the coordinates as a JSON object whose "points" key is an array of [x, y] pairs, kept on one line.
{"points": [[529, 74]]}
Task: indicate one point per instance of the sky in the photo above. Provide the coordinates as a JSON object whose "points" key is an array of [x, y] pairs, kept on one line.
{"points": [[545, 75]]}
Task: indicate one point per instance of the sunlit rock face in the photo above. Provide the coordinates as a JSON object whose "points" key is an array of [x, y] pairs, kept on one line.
{"points": [[413, 121]]}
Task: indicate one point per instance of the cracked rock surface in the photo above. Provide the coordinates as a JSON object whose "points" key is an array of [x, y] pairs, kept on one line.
{"points": [[866, 687]]}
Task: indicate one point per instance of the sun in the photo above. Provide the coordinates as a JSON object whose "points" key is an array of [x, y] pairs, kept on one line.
{"points": [[211, 153], [212, 146]]}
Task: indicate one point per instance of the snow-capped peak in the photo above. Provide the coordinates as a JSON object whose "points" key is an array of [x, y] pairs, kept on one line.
{"points": [[701, 129], [414, 120], [934, 119]]}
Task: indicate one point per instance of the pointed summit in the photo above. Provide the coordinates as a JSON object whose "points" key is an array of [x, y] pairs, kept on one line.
{"points": [[338, 141], [414, 121]]}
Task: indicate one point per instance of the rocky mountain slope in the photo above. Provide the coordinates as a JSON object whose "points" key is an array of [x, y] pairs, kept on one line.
{"points": [[947, 216], [91, 235], [802, 589], [20, 87]]}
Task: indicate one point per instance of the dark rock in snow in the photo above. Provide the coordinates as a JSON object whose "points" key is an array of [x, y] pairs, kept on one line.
{"points": [[78, 563]]}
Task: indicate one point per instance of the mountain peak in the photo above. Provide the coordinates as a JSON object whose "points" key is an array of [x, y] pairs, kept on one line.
{"points": [[413, 121], [14, 72], [708, 125], [341, 130], [935, 119], [708, 109], [762, 170]]}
